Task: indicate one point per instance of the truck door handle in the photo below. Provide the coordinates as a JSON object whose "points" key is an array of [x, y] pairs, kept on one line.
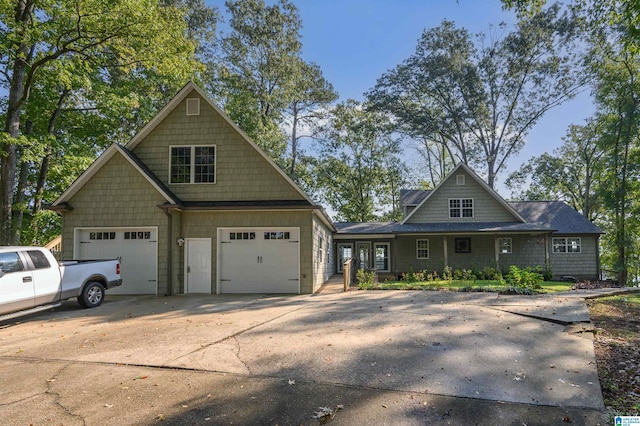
{"points": [[27, 279], [188, 269]]}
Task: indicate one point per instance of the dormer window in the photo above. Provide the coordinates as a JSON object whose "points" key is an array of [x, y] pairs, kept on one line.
{"points": [[461, 207], [193, 164]]}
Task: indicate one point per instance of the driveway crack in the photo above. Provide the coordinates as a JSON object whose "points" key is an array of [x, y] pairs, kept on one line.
{"points": [[58, 398], [237, 353], [237, 333]]}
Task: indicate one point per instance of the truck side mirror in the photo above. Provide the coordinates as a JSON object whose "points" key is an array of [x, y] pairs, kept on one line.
{"points": [[1, 273]]}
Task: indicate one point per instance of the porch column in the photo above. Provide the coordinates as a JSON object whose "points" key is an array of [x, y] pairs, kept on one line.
{"points": [[547, 263], [444, 243], [497, 251]]}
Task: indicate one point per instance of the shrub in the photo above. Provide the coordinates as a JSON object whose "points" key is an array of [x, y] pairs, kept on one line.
{"points": [[489, 273], [432, 276], [523, 278], [447, 273], [365, 278], [413, 277]]}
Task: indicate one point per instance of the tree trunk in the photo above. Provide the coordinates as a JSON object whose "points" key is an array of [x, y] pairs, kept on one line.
{"points": [[15, 101], [19, 204], [294, 141]]}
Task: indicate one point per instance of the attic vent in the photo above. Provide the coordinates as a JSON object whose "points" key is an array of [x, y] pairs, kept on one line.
{"points": [[193, 106], [460, 180]]}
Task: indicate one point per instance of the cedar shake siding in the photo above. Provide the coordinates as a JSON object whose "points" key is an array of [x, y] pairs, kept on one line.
{"points": [[117, 196], [485, 206], [242, 174]]}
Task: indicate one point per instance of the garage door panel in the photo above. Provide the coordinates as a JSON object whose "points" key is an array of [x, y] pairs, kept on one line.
{"points": [[137, 250], [259, 260]]}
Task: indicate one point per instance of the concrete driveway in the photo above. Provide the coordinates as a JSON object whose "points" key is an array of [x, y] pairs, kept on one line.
{"points": [[359, 357]]}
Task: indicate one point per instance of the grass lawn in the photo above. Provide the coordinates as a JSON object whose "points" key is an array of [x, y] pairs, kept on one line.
{"points": [[462, 285]]}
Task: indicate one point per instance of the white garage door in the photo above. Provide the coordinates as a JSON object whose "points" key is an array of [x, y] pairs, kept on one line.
{"points": [[259, 260], [137, 247]]}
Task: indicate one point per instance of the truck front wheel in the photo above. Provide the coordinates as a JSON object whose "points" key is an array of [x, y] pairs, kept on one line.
{"points": [[92, 295]]}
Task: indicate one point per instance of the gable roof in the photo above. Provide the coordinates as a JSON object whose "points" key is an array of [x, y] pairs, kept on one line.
{"points": [[540, 216], [182, 95], [101, 161], [412, 197], [479, 180], [556, 214]]}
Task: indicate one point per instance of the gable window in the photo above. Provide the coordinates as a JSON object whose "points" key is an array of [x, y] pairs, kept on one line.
{"points": [[460, 207], [422, 249], [193, 164], [193, 106], [460, 180], [504, 245], [567, 245]]}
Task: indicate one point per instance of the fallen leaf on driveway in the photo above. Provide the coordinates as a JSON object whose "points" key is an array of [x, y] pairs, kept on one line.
{"points": [[292, 382], [140, 377], [108, 405]]}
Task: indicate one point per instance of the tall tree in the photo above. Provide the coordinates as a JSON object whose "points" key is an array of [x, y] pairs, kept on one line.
{"points": [[256, 79], [617, 96], [481, 99], [573, 172], [311, 96], [123, 35], [356, 174]]}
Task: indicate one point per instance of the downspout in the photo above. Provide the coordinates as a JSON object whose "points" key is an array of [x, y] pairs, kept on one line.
{"points": [[598, 270], [169, 250]]}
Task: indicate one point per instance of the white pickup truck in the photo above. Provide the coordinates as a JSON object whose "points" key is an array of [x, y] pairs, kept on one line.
{"points": [[32, 280]]}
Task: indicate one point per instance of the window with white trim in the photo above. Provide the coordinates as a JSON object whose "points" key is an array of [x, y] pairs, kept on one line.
{"points": [[422, 249], [320, 244], [504, 245], [192, 164], [381, 253], [460, 207], [460, 180], [567, 245]]}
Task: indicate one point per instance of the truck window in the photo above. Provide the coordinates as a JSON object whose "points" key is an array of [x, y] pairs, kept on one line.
{"points": [[39, 259], [10, 262]]}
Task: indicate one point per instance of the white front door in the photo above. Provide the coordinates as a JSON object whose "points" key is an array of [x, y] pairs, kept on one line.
{"points": [[198, 265], [345, 251]]}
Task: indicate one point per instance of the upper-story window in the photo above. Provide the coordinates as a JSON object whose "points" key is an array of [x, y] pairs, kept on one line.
{"points": [[193, 164], [460, 207]]}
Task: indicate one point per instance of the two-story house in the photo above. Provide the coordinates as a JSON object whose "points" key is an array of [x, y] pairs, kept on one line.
{"points": [[192, 205], [464, 224]]}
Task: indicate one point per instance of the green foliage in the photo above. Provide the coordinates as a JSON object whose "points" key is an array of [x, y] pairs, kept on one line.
{"points": [[365, 278], [447, 273], [451, 90], [524, 281], [360, 159], [463, 274], [489, 273]]}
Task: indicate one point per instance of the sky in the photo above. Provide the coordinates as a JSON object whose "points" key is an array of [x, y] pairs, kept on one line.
{"points": [[356, 41]]}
